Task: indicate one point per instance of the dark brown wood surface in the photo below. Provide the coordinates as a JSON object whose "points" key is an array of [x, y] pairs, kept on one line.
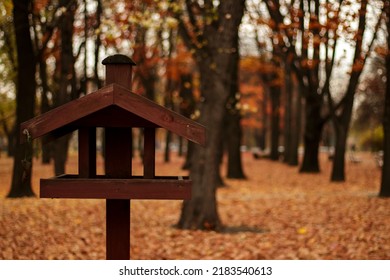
{"points": [[158, 188], [117, 164], [117, 229], [87, 152]]}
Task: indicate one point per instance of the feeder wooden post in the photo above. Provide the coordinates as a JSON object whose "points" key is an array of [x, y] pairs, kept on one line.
{"points": [[118, 164]]}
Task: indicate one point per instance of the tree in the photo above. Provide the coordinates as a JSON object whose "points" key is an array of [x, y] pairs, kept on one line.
{"points": [[211, 33], [255, 101], [385, 180], [232, 128], [295, 126], [44, 22], [25, 98], [187, 106], [370, 100], [67, 79], [276, 72], [7, 122], [341, 117], [312, 31], [371, 95]]}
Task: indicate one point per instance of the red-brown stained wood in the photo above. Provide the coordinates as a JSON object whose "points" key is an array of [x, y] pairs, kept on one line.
{"points": [[87, 152], [68, 116], [119, 70], [119, 74], [118, 153], [113, 116], [117, 229], [158, 188], [118, 164]]}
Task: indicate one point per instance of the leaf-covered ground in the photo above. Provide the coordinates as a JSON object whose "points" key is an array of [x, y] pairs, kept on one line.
{"points": [[276, 213]]}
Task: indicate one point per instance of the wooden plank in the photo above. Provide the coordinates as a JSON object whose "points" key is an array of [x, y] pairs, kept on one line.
{"points": [[165, 188], [119, 74], [113, 116], [118, 164], [117, 229], [118, 153], [87, 152]]}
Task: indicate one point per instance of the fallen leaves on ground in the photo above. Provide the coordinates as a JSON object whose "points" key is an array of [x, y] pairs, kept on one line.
{"points": [[276, 213]]}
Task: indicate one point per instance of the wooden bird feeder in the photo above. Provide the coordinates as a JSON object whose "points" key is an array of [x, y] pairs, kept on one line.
{"points": [[117, 109]]}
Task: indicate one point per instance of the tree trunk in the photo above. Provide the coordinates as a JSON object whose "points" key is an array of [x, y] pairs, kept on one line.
{"points": [[181, 147], [341, 125], [187, 108], [275, 122], [338, 170], [167, 152], [312, 135], [296, 130], [98, 43], [25, 99], [11, 140], [190, 152], [220, 153], [66, 90], [385, 182], [233, 135], [169, 98], [61, 154], [341, 128], [288, 115], [201, 211], [47, 147], [264, 122], [233, 129], [342, 122]]}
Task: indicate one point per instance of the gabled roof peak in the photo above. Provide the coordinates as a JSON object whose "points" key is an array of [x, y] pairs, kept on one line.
{"points": [[123, 106]]}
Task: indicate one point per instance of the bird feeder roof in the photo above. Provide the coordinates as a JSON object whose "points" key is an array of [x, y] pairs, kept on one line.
{"points": [[112, 106]]}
